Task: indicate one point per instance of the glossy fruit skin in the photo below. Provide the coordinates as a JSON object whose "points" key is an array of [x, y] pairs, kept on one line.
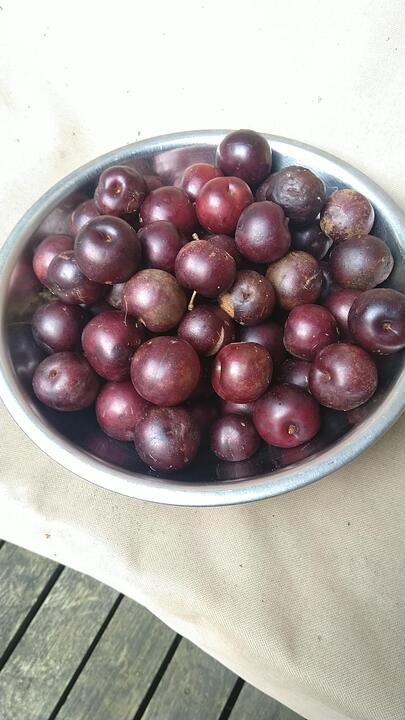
{"points": [[114, 296], [339, 302], [286, 416], [107, 250], [310, 239], [65, 381], [295, 372], [195, 176], [49, 248], [57, 327], [109, 341], [361, 263], [82, 214], [120, 191], [165, 370], [297, 190], [204, 412], [270, 335], [262, 233], [296, 278], [342, 376], [221, 202], [161, 242], [245, 154], [167, 439], [377, 320], [207, 328], [69, 284], [156, 299], [250, 300], [205, 268], [308, 329], [231, 408], [118, 409], [226, 242], [171, 204], [234, 438], [241, 372], [346, 213]]}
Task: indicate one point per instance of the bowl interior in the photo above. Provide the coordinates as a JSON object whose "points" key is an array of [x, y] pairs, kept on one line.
{"points": [[97, 457]]}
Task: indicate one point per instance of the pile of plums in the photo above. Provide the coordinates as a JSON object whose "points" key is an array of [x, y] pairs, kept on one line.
{"points": [[223, 310]]}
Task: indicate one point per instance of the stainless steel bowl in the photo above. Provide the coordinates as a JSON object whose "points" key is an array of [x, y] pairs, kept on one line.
{"points": [[74, 440]]}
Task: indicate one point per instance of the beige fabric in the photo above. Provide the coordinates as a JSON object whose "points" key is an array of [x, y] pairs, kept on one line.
{"points": [[302, 595]]}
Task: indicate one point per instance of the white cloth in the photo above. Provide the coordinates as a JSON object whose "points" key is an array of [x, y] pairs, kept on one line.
{"points": [[302, 595]]}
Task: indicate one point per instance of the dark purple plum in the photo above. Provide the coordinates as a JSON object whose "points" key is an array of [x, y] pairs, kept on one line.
{"points": [[69, 284], [207, 328], [161, 242], [118, 409], [342, 376], [245, 154], [120, 191], [296, 278], [205, 268], [156, 299], [167, 439], [165, 370], [114, 295], [327, 281], [250, 300], [82, 214], [262, 234], [195, 176], [204, 390], [297, 190], [107, 250], [361, 263], [58, 327], [231, 408], [310, 239], [339, 302], [65, 381], [234, 438], [242, 372], [204, 413], [220, 203], [171, 204], [270, 335], [109, 341], [287, 416], [226, 242], [295, 372], [346, 214], [308, 329], [49, 248], [377, 320]]}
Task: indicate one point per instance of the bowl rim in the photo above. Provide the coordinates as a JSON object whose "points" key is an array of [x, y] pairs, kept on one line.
{"points": [[150, 487]]}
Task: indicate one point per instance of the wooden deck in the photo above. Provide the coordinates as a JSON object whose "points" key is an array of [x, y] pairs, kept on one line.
{"points": [[74, 649]]}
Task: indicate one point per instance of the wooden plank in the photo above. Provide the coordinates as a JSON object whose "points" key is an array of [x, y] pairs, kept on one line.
{"points": [[252, 703], [194, 686], [23, 579], [121, 668], [44, 661]]}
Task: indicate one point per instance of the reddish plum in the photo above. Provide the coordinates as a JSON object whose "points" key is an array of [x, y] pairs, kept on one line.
{"points": [[82, 214], [156, 299], [49, 248], [339, 302], [161, 242], [234, 438], [308, 329], [107, 250], [205, 268], [342, 376], [361, 263], [165, 370], [250, 300], [120, 191], [296, 278], [207, 329], [311, 239], [262, 233], [69, 284], [226, 242], [346, 213], [171, 204], [242, 372], [295, 372], [286, 416], [57, 327], [221, 202], [119, 408], [297, 190], [167, 438], [377, 320], [109, 341], [65, 381], [195, 176], [245, 154]]}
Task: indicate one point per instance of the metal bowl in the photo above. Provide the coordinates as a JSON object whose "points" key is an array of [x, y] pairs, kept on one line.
{"points": [[75, 441]]}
